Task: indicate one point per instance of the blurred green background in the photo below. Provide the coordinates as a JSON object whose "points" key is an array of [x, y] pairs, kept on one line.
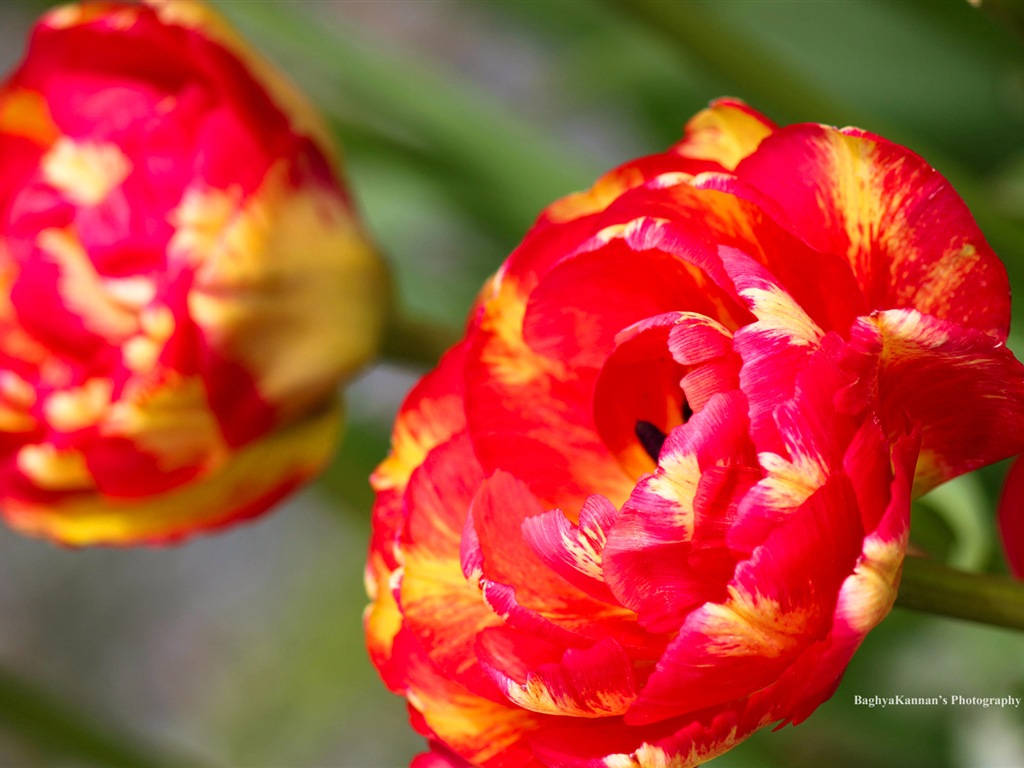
{"points": [[460, 121]]}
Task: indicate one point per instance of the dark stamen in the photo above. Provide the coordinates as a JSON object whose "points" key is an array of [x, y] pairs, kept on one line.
{"points": [[687, 411], [650, 437]]}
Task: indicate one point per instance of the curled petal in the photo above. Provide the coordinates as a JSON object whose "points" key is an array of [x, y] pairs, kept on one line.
{"points": [[486, 733], [518, 585], [779, 602], [577, 682], [907, 235], [724, 133], [575, 551], [962, 387], [662, 559]]}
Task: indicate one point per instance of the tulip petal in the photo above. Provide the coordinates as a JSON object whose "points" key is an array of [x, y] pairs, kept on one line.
{"points": [[502, 372], [779, 602], [866, 595], [662, 369], [498, 555], [253, 479], [577, 682], [961, 386], [486, 733], [657, 560], [1011, 518], [575, 551], [440, 608], [717, 138], [810, 434], [724, 133], [679, 743], [909, 238]]}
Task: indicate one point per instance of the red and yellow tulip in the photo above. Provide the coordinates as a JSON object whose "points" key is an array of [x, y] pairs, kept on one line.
{"points": [[660, 492], [182, 282]]}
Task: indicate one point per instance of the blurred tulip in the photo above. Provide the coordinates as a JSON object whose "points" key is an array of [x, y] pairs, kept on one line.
{"points": [[660, 493], [183, 284]]}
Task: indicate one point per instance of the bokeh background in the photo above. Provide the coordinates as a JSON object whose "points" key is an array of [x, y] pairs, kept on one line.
{"points": [[460, 121]]}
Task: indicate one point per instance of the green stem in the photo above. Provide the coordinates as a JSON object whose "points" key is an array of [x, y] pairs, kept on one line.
{"points": [[936, 588], [417, 342], [54, 728]]}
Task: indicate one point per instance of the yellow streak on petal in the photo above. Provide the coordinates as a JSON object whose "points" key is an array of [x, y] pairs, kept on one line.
{"points": [[14, 341], [605, 191], [73, 15], [16, 390], [779, 315], [201, 221], [469, 722], [290, 454], [868, 595], [586, 550], [508, 357], [130, 292], [415, 434], [906, 333], [172, 422], [79, 407], [931, 470], [54, 470], [140, 353], [856, 197], [535, 696], [676, 480], [754, 625], [382, 618], [722, 133], [292, 290], [85, 172], [25, 114], [789, 484], [946, 276], [651, 756], [12, 421], [82, 289]]}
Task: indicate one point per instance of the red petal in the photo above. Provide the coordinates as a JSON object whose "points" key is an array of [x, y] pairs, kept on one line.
{"points": [[440, 608], [964, 389], [724, 133], [485, 733], [575, 552], [909, 238], [801, 443], [577, 682], [781, 601], [657, 562], [1011, 518], [520, 587]]}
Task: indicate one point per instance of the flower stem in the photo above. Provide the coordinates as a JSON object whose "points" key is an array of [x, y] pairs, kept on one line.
{"points": [[936, 588], [416, 341]]}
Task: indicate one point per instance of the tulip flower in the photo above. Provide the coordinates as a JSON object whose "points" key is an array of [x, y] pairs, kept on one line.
{"points": [[660, 492], [183, 284]]}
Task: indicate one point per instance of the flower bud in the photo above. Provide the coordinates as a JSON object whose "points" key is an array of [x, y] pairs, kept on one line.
{"points": [[183, 284]]}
